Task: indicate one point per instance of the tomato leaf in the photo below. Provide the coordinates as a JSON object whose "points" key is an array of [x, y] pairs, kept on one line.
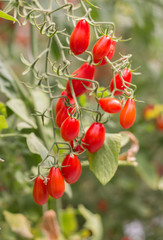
{"points": [[19, 108], [18, 224], [68, 221], [3, 122], [104, 162], [3, 109], [7, 17]]}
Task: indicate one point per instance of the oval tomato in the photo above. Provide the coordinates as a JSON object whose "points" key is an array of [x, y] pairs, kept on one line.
{"points": [[40, 192], [80, 37], [101, 48], [159, 123], [85, 71], [110, 105], [62, 115], [61, 102], [94, 137], [70, 129], [55, 184], [128, 114], [126, 75], [71, 168], [78, 149]]}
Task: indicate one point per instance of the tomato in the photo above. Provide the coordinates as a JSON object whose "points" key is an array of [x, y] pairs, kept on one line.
{"points": [[70, 129], [71, 168], [101, 48], [80, 37], [40, 192], [110, 105], [85, 71], [159, 123], [61, 102], [55, 184], [102, 205], [128, 114], [78, 149], [126, 75], [94, 137], [109, 55]]}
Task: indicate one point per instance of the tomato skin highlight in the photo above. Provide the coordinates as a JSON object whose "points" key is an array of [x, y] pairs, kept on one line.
{"points": [[85, 71], [70, 128], [128, 114], [80, 37], [110, 105], [55, 184], [101, 48], [110, 54], [40, 192], [71, 168], [94, 137], [126, 75]]}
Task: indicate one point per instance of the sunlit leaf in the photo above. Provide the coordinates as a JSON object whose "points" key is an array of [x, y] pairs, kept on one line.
{"points": [[3, 122]]}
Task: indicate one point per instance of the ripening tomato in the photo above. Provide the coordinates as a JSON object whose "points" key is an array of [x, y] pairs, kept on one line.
{"points": [[126, 75], [40, 192], [147, 112], [128, 114], [109, 55], [55, 184], [101, 48], [80, 37], [70, 128], [61, 102], [110, 105], [159, 123], [85, 71], [94, 137], [71, 168]]}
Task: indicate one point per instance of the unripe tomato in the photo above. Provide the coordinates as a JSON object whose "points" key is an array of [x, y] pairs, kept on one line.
{"points": [[55, 184], [109, 55], [126, 75], [71, 168], [85, 71], [110, 105], [70, 129], [94, 137], [148, 112], [128, 114], [40, 192], [101, 48], [159, 123], [61, 102], [80, 37]]}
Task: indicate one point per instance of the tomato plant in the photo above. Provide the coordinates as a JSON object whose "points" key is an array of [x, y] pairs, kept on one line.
{"points": [[80, 37], [71, 168], [40, 192], [128, 114]]}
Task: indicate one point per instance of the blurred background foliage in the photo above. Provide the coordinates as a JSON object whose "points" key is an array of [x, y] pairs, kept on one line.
{"points": [[129, 207]]}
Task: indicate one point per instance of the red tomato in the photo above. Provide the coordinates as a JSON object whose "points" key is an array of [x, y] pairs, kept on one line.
{"points": [[70, 129], [94, 137], [102, 205], [128, 114], [78, 148], [101, 48], [110, 105], [40, 192], [61, 102], [80, 37], [109, 55], [159, 123], [71, 168], [55, 184], [126, 75], [85, 71]]}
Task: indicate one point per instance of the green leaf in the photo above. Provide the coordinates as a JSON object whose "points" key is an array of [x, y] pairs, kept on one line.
{"points": [[20, 109], [3, 109], [3, 122], [7, 17], [147, 171], [104, 162], [68, 221], [23, 125], [18, 224], [93, 222], [35, 146], [7, 85], [124, 139]]}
